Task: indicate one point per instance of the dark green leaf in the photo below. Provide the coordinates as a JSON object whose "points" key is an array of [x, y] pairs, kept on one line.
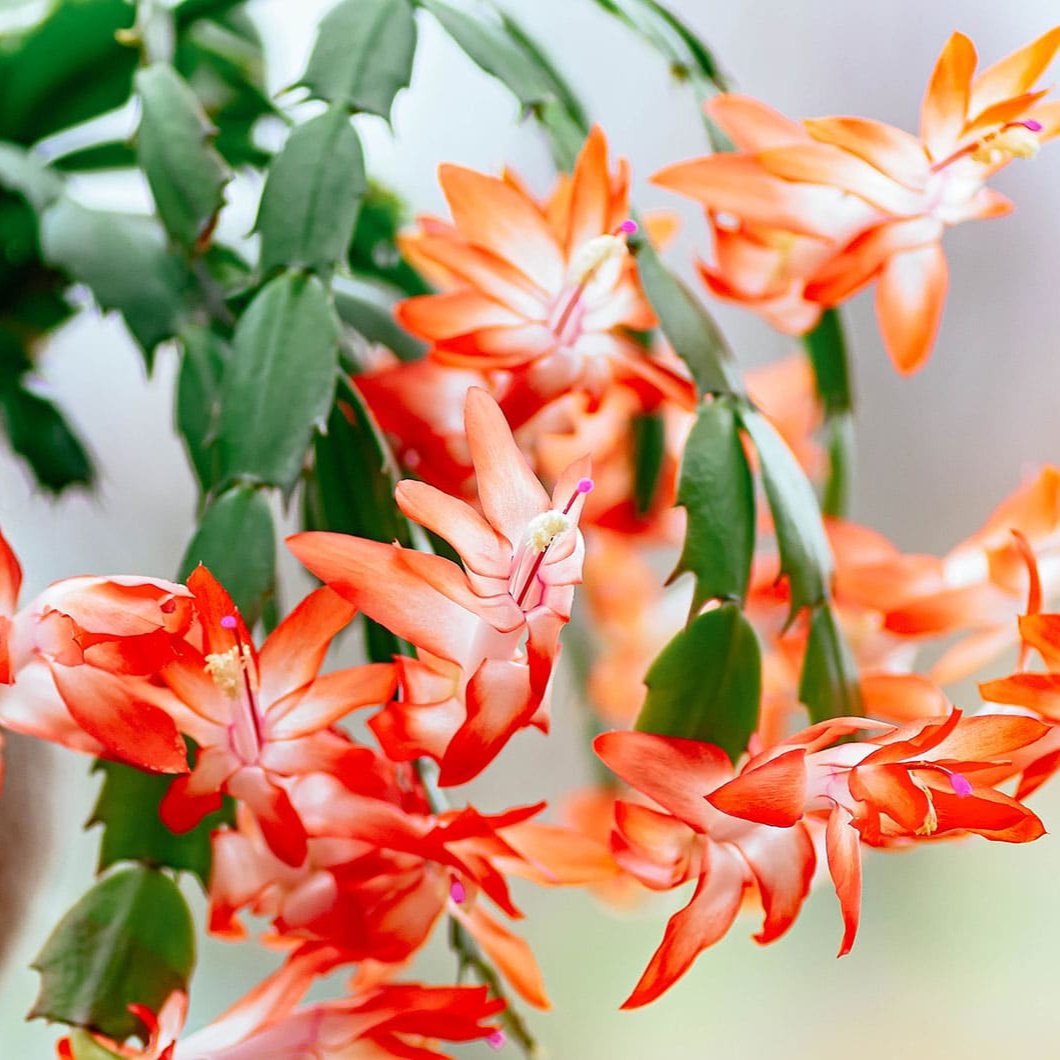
{"points": [[829, 684], [65, 70], [363, 54], [123, 259], [129, 940], [236, 540], [27, 175], [186, 174], [127, 808], [112, 154], [649, 449], [352, 492], [826, 346], [39, 433], [376, 324], [199, 399], [374, 251], [311, 196], [805, 556], [839, 440], [689, 327], [355, 474], [706, 684], [716, 489], [279, 382]]}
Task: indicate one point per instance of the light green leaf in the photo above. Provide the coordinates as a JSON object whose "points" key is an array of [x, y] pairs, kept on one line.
{"points": [[85, 1047], [236, 540], [129, 940], [689, 327], [124, 260], [829, 685], [805, 555], [312, 194], [363, 54], [279, 382], [716, 489], [706, 684], [174, 147], [376, 323]]}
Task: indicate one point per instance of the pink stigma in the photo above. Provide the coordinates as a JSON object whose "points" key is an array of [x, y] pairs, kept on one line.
{"points": [[229, 622], [1030, 123], [586, 485], [629, 226], [961, 785], [496, 1040], [457, 892], [167, 607]]}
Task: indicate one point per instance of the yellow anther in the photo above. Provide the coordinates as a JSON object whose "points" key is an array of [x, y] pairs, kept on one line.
{"points": [[226, 669], [1013, 142], [930, 824]]}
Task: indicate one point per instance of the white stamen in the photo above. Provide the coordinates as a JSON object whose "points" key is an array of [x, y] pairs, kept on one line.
{"points": [[543, 529], [592, 254]]}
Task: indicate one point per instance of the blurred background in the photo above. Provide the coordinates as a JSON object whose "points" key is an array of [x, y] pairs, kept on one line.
{"points": [[959, 948]]}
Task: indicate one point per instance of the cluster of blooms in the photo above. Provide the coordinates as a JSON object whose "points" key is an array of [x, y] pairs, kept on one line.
{"points": [[538, 362]]}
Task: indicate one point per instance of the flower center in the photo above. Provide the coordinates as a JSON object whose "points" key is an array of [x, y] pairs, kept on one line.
{"points": [[545, 528], [594, 257], [230, 672]]}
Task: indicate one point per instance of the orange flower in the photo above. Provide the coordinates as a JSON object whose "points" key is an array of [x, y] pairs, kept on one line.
{"points": [[546, 290], [805, 215], [75, 662], [381, 871], [922, 780], [694, 841], [261, 717], [752, 831], [488, 630], [399, 1020]]}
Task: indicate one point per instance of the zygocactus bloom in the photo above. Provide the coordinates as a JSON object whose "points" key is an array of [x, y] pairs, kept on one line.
{"points": [[261, 717], [399, 1020], [545, 290], [807, 214], [751, 832], [489, 630], [74, 664]]}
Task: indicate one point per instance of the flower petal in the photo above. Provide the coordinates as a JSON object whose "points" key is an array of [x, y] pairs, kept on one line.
{"points": [[945, 106], [700, 924], [909, 299]]}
